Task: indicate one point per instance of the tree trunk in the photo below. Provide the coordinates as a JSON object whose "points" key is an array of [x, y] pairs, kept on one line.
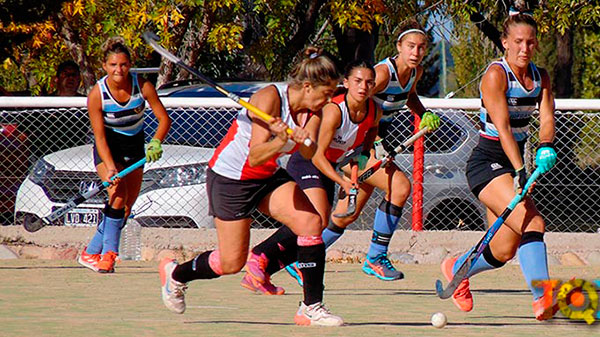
{"points": [[74, 44], [563, 70], [354, 44], [167, 68], [193, 42]]}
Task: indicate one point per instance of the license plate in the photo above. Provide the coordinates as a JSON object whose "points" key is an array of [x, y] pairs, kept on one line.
{"points": [[82, 217]]}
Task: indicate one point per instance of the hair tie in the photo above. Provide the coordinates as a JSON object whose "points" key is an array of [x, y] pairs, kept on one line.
{"points": [[513, 11], [414, 30], [313, 56]]}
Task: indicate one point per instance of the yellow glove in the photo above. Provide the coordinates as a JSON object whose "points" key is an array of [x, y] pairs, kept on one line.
{"points": [[431, 120], [153, 150]]}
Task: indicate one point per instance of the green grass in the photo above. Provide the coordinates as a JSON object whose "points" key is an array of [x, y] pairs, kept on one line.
{"points": [[60, 298]]}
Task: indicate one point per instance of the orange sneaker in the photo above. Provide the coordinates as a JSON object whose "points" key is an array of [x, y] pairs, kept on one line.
{"points": [[543, 312], [462, 297], [266, 288], [89, 260], [107, 263]]}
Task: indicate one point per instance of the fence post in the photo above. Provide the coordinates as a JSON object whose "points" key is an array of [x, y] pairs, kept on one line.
{"points": [[417, 194]]}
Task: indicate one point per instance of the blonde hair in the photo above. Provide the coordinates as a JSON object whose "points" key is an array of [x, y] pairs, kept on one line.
{"points": [[315, 68], [115, 45]]}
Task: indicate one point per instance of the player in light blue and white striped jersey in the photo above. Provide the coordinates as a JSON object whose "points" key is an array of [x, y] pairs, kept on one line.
{"points": [[116, 106], [511, 90]]}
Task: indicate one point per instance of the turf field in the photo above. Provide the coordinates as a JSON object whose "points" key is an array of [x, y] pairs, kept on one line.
{"points": [[60, 298]]}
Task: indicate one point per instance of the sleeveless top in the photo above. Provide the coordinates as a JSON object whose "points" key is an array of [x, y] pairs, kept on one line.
{"points": [[521, 104], [231, 156], [349, 135], [394, 96], [124, 118]]}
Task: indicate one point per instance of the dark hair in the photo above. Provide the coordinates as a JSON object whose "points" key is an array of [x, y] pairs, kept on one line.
{"points": [[516, 19], [410, 24], [357, 64], [115, 45], [66, 64], [315, 68]]}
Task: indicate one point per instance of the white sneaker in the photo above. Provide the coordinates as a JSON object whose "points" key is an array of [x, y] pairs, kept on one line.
{"points": [[316, 314], [173, 292]]}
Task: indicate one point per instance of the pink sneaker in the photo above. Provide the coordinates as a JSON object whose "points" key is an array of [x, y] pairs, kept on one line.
{"points": [[256, 266], [266, 288]]}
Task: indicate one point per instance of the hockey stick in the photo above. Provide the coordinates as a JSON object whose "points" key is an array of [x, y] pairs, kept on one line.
{"points": [[35, 225], [353, 192], [152, 39], [462, 272], [385, 160]]}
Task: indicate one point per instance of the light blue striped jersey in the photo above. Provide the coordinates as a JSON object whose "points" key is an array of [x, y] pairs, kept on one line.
{"points": [[124, 118], [394, 96], [521, 104]]}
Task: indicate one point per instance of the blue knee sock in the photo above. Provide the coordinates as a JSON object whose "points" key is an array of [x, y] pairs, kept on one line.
{"points": [[485, 261], [386, 220], [533, 260], [331, 234], [95, 245], [113, 223]]}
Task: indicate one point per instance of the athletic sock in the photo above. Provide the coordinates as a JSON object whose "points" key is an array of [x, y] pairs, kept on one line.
{"points": [[331, 234], [95, 245], [533, 260], [113, 224], [196, 268], [311, 261], [386, 220], [280, 249], [485, 261]]}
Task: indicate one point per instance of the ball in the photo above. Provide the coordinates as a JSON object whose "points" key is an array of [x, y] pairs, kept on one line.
{"points": [[439, 320]]}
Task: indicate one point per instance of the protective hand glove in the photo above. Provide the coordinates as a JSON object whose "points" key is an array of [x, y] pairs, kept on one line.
{"points": [[431, 120], [362, 160], [153, 150], [520, 179], [545, 157], [380, 151]]}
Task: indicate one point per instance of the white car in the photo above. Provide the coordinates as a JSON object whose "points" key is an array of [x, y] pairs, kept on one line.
{"points": [[173, 191]]}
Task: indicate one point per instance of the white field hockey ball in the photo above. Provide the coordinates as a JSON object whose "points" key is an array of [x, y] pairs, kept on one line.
{"points": [[439, 320]]}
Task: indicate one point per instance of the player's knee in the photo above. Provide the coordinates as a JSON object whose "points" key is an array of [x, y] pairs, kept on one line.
{"points": [[313, 225]]}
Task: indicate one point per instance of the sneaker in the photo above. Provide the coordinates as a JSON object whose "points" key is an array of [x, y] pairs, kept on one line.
{"points": [[107, 262], [295, 272], [462, 297], [543, 313], [266, 288], [382, 268], [256, 266], [316, 314], [89, 260], [173, 292]]}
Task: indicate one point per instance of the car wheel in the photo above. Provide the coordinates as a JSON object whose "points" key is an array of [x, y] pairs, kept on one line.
{"points": [[452, 214]]}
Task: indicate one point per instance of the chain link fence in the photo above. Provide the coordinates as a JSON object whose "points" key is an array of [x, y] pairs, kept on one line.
{"points": [[46, 159]]}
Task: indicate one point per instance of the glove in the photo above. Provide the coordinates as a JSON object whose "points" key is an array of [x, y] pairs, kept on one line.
{"points": [[380, 151], [362, 160], [545, 157], [153, 150], [520, 179], [431, 120]]}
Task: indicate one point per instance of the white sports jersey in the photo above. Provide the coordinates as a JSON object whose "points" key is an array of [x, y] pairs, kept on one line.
{"points": [[394, 96], [124, 118], [231, 157], [349, 135], [521, 104]]}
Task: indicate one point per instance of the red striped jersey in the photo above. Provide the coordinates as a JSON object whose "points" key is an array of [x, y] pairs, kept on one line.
{"points": [[231, 157], [349, 135]]}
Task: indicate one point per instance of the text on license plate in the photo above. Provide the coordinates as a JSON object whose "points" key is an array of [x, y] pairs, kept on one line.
{"points": [[82, 217]]}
